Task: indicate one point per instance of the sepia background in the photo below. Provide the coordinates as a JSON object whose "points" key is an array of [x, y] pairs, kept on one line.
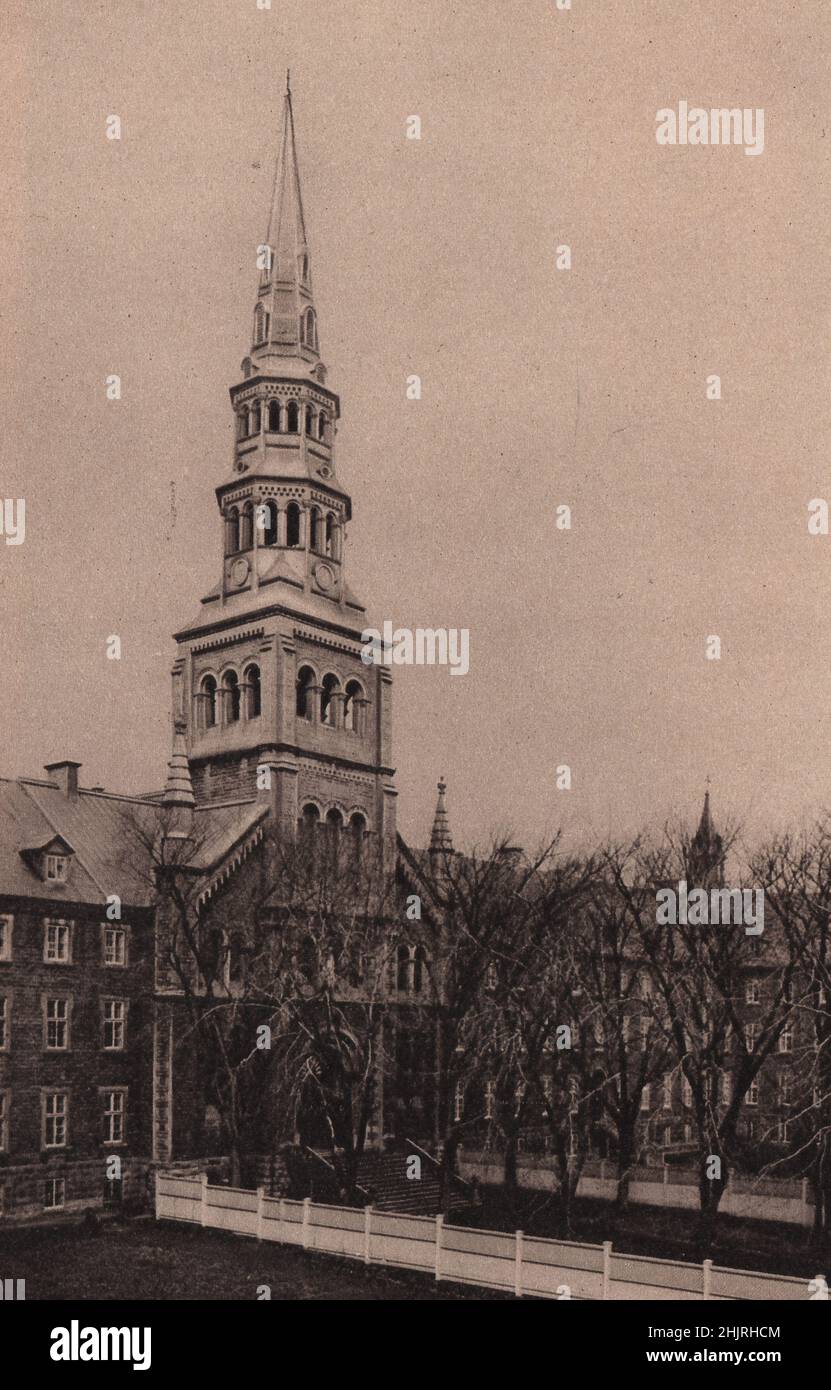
{"points": [[540, 387]]}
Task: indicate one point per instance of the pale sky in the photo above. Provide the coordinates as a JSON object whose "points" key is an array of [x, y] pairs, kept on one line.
{"points": [[540, 386]]}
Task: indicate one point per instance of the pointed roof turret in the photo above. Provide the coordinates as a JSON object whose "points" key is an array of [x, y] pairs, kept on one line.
{"points": [[178, 788], [285, 322], [441, 841]]}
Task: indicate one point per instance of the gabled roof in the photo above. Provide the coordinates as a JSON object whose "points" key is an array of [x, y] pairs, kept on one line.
{"points": [[109, 837]]}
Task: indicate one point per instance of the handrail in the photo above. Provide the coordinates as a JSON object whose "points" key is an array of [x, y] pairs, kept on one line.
{"points": [[455, 1177], [332, 1169]]}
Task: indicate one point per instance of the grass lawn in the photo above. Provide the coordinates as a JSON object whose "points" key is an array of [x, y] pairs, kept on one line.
{"points": [[145, 1259]]}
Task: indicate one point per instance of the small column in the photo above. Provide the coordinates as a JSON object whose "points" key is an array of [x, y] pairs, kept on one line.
{"points": [[281, 524], [360, 705], [337, 701]]}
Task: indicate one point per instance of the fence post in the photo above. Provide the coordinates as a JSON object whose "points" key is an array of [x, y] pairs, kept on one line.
{"points": [[439, 1225], [518, 1265], [707, 1267], [307, 1202], [203, 1204], [607, 1268], [281, 1211], [260, 1199], [367, 1235], [666, 1184], [806, 1213]]}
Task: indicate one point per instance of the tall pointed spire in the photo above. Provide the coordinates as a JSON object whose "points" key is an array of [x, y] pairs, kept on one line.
{"points": [[706, 854], [285, 323], [441, 841]]}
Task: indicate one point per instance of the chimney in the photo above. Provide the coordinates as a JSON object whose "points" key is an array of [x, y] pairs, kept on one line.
{"points": [[65, 773]]}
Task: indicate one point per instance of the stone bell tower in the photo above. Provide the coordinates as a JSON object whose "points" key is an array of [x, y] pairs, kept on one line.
{"points": [[269, 674]]}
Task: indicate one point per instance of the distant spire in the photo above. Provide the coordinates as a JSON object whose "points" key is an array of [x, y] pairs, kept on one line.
{"points": [[178, 788], [707, 847], [285, 324], [441, 841]]}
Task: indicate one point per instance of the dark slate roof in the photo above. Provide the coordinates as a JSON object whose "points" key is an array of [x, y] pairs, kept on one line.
{"points": [[108, 835]]}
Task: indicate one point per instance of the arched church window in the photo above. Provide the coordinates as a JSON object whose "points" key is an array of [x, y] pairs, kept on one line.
{"points": [[314, 529], [330, 534], [327, 703], [310, 421], [305, 684], [231, 530], [351, 712], [269, 531], [274, 416], [231, 696], [253, 693], [293, 417], [309, 823], [322, 425], [256, 418], [357, 829], [207, 692], [419, 969], [403, 971], [309, 333], [242, 424], [246, 527], [292, 524]]}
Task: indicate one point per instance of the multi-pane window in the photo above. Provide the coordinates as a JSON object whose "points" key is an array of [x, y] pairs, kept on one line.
{"points": [[57, 941], [6, 924], [54, 1193], [782, 1131], [786, 1039], [114, 1014], [114, 1109], [752, 1097], [645, 1095], [784, 1089], [458, 1101], [751, 1036], [725, 1088], [115, 946], [668, 1090], [686, 1092], [5, 1100], [57, 866], [57, 1024], [753, 992], [4, 1022], [490, 1092], [55, 1119]]}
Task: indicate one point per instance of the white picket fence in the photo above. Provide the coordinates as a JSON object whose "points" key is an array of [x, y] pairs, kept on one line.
{"points": [[517, 1264]]}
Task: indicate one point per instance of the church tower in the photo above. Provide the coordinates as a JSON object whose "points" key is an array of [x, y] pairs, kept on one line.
{"points": [[269, 686]]}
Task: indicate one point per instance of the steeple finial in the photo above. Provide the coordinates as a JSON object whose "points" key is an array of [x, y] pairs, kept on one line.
{"points": [[441, 841]]}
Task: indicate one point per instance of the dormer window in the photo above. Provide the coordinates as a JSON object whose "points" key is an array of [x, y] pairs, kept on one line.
{"points": [[50, 861], [57, 868]]}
